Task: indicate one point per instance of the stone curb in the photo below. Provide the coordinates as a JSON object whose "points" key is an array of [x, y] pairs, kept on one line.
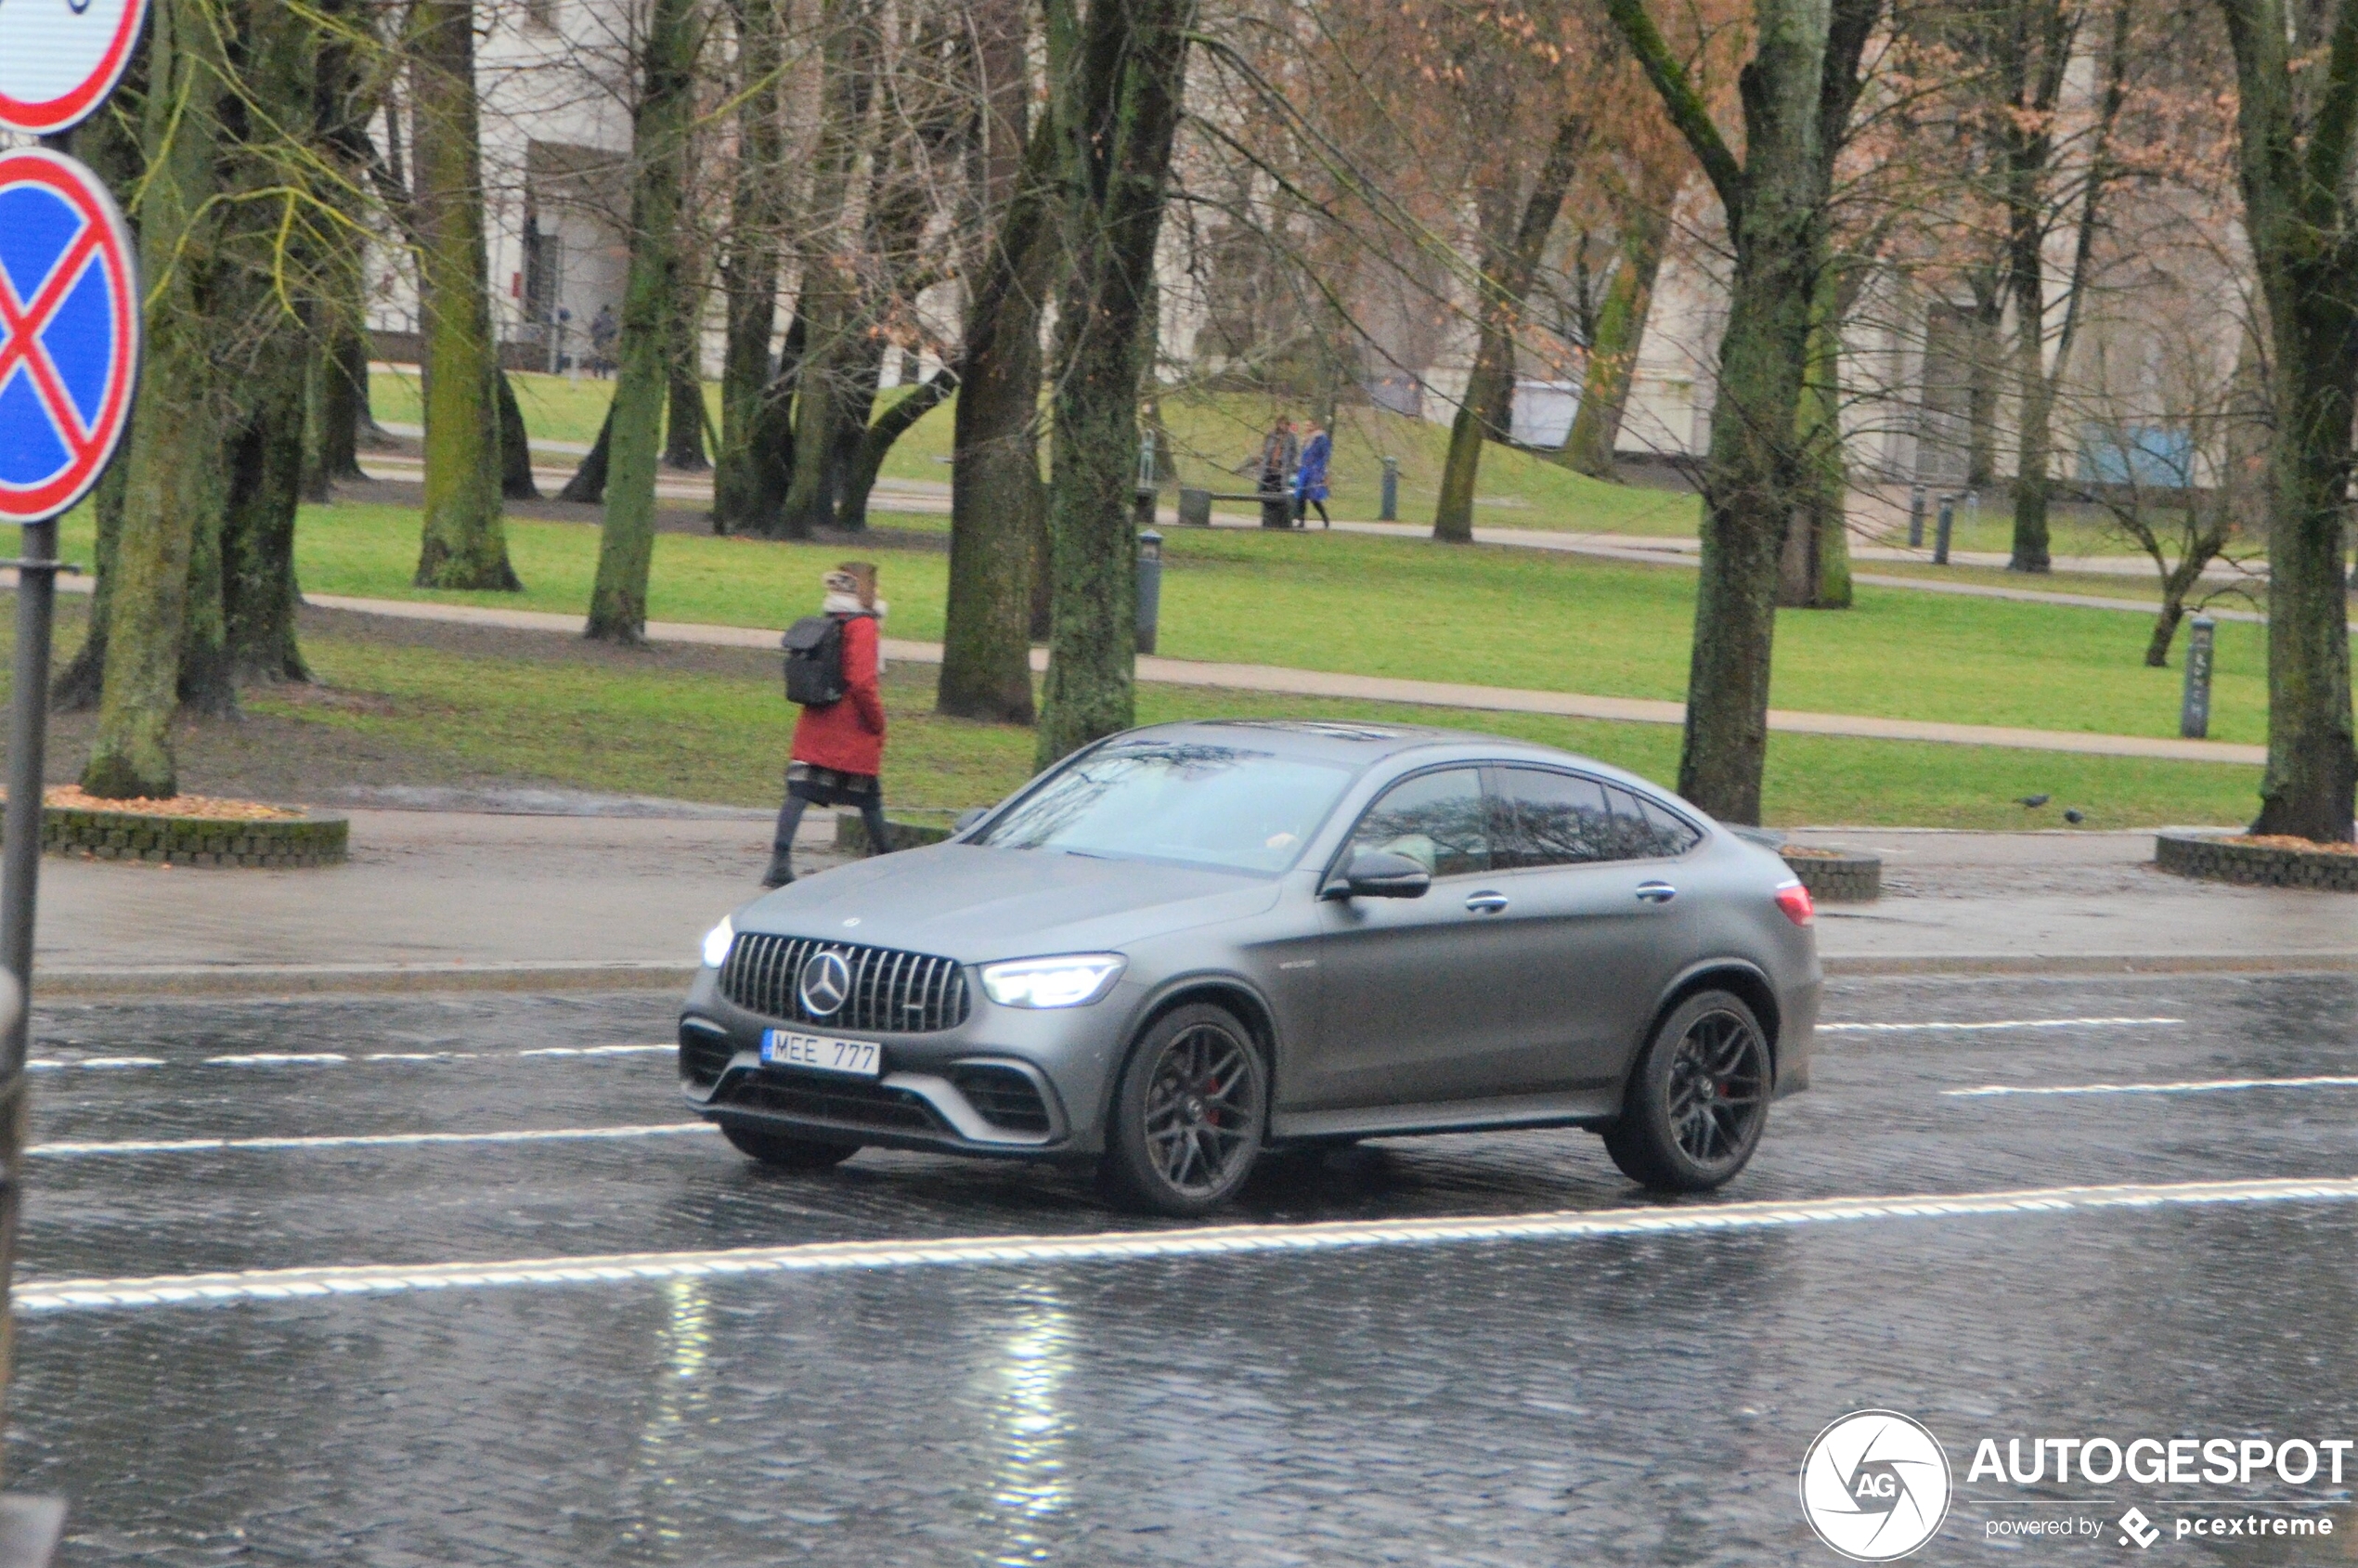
{"points": [[1856, 965], [316, 839], [1846, 877], [2258, 866]]}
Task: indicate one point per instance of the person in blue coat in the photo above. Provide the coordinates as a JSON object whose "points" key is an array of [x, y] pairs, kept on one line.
{"points": [[1310, 478]]}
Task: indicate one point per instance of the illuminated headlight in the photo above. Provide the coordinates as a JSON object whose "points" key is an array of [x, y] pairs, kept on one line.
{"points": [[1071, 982], [716, 943]]}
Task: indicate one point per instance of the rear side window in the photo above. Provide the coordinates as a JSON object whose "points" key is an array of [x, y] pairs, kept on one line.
{"points": [[1438, 820], [1651, 832], [1565, 819]]}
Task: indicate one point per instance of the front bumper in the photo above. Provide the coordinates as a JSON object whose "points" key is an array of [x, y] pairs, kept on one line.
{"points": [[1009, 1082]]}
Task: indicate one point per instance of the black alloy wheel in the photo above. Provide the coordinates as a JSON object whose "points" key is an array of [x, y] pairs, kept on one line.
{"points": [[781, 1152], [1187, 1118], [1698, 1099]]}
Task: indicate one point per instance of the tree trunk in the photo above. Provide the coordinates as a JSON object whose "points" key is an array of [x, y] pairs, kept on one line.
{"points": [[173, 477], [2300, 224], [2036, 401], [1595, 436], [772, 436], [998, 509], [749, 276], [650, 322], [465, 542], [1984, 359], [258, 593], [1798, 92], [587, 486], [876, 445], [1510, 260], [77, 686], [1817, 566], [1116, 74], [685, 421], [515, 448]]}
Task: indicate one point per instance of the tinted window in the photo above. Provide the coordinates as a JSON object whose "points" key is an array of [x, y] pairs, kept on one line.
{"points": [[1438, 820], [1559, 819], [1205, 805], [1649, 831]]}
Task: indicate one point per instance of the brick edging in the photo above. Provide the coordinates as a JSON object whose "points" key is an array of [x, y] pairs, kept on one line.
{"points": [[1846, 878], [316, 839], [2255, 865]]}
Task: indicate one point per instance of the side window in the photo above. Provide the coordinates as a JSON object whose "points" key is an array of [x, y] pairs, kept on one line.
{"points": [[1647, 831], [1438, 820], [1559, 819]]}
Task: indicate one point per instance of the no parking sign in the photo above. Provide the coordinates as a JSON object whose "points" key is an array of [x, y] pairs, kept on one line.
{"points": [[59, 59]]}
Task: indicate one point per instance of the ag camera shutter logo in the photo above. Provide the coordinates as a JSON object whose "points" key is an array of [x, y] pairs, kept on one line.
{"points": [[1875, 1485]]}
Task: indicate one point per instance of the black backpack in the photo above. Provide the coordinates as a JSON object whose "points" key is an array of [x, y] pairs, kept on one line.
{"points": [[814, 661]]}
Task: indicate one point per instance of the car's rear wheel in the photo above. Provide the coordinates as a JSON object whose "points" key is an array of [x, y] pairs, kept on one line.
{"points": [[1698, 1099], [781, 1152], [1188, 1116]]}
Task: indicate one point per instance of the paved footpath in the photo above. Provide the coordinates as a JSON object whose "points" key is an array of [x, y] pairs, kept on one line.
{"points": [[1423, 693], [434, 899]]}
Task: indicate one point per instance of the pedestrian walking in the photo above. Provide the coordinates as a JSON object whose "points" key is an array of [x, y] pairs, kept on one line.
{"points": [[1310, 478], [1279, 452], [833, 660], [603, 331]]}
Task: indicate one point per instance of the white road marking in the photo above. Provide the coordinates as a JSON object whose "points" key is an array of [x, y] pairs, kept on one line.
{"points": [[2186, 1086], [340, 1058], [1995, 1024], [366, 1140], [263, 1285]]}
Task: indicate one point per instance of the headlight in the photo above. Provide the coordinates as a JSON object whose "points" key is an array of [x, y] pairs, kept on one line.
{"points": [[716, 943], [1071, 982]]}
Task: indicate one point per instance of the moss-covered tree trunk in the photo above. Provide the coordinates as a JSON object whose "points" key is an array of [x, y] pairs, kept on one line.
{"points": [[173, 482], [1116, 70], [515, 448], [684, 415], [258, 593], [649, 321], [465, 541], [1817, 567], [1798, 89], [749, 274], [996, 500], [2294, 124], [1595, 434], [1511, 259]]}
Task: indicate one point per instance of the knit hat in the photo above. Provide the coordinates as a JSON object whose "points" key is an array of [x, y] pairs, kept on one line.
{"points": [[857, 578]]}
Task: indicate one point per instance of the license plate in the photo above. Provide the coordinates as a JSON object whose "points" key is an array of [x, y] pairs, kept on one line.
{"points": [[821, 1052]]}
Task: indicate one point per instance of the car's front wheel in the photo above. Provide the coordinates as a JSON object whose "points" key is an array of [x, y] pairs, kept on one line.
{"points": [[1188, 1116], [782, 1153], [1698, 1099]]}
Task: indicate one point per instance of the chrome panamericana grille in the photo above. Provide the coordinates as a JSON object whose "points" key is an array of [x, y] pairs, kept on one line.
{"points": [[890, 993]]}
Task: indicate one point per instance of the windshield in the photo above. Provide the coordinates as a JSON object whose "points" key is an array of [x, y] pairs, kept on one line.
{"points": [[1206, 805]]}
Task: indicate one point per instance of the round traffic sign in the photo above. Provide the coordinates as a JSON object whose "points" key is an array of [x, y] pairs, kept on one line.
{"points": [[68, 332], [59, 59]]}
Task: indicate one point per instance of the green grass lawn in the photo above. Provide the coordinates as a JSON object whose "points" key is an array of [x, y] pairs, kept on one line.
{"points": [[1214, 433], [723, 739], [1405, 608]]}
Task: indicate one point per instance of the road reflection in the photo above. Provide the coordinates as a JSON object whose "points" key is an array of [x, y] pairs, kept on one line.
{"points": [[1021, 1397]]}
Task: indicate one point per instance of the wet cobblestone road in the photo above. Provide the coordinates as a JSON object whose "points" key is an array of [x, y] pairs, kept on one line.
{"points": [[1617, 1398]]}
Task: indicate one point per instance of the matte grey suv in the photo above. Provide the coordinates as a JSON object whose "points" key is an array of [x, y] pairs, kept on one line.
{"points": [[1189, 943]]}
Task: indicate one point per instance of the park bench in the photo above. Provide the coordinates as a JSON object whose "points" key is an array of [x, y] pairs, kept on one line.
{"points": [[1195, 506]]}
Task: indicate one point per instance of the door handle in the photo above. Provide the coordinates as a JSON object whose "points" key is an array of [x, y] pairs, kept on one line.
{"points": [[1487, 903], [1657, 893]]}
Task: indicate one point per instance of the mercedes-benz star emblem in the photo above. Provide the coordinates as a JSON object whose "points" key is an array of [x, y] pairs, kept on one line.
{"points": [[825, 983]]}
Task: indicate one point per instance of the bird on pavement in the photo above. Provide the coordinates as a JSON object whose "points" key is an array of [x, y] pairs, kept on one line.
{"points": [[2073, 814], [2033, 801]]}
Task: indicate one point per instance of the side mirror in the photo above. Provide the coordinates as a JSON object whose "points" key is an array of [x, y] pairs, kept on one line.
{"points": [[968, 817], [1377, 874]]}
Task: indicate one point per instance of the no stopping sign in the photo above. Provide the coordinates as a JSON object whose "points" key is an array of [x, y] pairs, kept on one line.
{"points": [[69, 331], [59, 59]]}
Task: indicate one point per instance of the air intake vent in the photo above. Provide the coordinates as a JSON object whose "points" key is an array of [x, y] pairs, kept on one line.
{"points": [[887, 993]]}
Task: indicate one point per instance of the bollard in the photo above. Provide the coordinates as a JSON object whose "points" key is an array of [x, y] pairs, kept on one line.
{"points": [[2194, 712], [1150, 587], [1390, 512], [1948, 526], [1915, 517]]}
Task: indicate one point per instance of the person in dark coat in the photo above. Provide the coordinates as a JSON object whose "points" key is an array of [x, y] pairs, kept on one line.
{"points": [[838, 749], [1310, 479], [1279, 452]]}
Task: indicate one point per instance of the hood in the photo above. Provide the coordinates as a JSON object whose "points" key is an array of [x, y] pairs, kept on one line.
{"points": [[978, 904]]}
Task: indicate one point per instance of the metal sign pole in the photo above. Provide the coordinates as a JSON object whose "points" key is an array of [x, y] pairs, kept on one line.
{"points": [[28, 734]]}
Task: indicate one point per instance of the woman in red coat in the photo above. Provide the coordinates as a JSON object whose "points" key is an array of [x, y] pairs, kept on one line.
{"points": [[838, 749]]}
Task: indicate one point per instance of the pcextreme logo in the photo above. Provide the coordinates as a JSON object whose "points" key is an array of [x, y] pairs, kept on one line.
{"points": [[1875, 1485]]}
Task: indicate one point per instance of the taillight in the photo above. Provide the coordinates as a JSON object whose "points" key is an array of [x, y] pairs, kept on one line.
{"points": [[1793, 899]]}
